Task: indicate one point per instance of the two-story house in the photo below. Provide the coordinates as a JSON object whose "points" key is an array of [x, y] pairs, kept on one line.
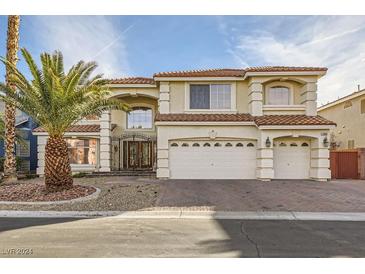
{"points": [[253, 123], [349, 114]]}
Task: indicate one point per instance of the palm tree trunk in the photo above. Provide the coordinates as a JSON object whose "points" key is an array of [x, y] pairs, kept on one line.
{"points": [[10, 111], [57, 173]]}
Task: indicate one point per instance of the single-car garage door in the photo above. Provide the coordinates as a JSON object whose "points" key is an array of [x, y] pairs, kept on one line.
{"points": [[212, 160], [291, 159]]}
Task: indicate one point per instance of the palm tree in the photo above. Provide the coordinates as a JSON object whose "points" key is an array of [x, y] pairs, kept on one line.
{"points": [[57, 100], [10, 111]]}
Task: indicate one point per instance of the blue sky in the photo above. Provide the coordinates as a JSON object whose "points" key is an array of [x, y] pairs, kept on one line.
{"points": [[143, 45]]}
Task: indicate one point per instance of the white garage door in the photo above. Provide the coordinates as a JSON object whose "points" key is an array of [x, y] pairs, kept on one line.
{"points": [[212, 160], [292, 160]]}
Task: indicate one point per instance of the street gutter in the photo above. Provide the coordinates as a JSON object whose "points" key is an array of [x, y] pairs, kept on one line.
{"points": [[189, 214]]}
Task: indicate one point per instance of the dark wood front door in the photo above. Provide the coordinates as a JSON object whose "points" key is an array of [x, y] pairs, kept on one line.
{"points": [[139, 154]]}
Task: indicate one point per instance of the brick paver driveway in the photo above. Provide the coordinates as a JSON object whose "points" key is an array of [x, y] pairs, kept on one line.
{"points": [[252, 195]]}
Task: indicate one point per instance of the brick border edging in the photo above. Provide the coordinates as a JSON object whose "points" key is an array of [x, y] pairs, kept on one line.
{"points": [[92, 196]]}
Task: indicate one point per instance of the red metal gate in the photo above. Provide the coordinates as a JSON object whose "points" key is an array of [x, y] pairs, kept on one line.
{"points": [[344, 164]]}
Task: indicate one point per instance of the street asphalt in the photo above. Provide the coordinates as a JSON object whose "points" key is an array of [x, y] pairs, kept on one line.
{"points": [[113, 237]]}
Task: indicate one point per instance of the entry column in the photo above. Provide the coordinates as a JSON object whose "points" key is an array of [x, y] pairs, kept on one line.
{"points": [[265, 158], [105, 142]]}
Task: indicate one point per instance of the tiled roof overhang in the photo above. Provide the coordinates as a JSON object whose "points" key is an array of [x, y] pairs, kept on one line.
{"points": [[133, 81], [76, 128], [265, 120], [237, 72]]}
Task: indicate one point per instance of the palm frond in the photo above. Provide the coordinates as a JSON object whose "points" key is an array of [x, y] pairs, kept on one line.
{"points": [[55, 99]]}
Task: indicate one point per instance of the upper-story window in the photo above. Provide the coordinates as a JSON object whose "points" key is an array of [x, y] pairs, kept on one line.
{"points": [[139, 118], [279, 96], [214, 96]]}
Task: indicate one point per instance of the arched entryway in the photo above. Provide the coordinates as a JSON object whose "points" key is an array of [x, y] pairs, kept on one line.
{"points": [[134, 151]]}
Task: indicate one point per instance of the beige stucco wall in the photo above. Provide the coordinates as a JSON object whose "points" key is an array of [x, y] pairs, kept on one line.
{"points": [[350, 123], [177, 97], [242, 97]]}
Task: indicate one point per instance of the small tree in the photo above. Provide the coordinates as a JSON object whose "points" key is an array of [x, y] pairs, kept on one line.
{"points": [[57, 100]]}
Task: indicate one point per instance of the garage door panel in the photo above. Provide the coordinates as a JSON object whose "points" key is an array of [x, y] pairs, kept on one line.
{"points": [[291, 162], [212, 162]]}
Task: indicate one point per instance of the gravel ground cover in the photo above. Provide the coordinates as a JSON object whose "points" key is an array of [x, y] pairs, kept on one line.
{"points": [[117, 194], [36, 192]]}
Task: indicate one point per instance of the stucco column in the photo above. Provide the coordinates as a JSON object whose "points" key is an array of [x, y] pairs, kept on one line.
{"points": [[319, 162], [309, 98], [255, 95], [105, 142], [164, 99], [162, 171], [41, 149], [265, 159]]}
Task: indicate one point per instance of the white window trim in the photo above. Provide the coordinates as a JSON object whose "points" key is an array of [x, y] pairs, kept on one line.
{"points": [[280, 84], [233, 97], [146, 105]]}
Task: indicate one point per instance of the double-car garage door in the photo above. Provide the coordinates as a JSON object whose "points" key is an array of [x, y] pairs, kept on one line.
{"points": [[236, 159], [212, 160]]}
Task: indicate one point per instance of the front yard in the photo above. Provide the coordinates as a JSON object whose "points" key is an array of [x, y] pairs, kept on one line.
{"points": [[138, 193]]}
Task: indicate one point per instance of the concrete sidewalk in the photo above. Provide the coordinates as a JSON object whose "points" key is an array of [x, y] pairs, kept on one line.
{"points": [[186, 214]]}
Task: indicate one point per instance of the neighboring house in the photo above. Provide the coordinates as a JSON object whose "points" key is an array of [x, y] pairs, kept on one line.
{"points": [[27, 150], [349, 114], [254, 123]]}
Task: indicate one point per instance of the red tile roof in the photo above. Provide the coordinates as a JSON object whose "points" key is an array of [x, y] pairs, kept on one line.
{"points": [[76, 128], [292, 120], [282, 68], [203, 73], [184, 117], [245, 117], [133, 80], [235, 72]]}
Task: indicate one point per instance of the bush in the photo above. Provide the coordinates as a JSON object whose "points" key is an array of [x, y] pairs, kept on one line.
{"points": [[18, 163]]}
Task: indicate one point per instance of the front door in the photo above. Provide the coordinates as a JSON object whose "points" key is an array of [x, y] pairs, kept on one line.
{"points": [[139, 154]]}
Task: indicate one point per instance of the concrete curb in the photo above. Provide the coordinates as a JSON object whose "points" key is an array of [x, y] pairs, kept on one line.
{"points": [[181, 214], [81, 199]]}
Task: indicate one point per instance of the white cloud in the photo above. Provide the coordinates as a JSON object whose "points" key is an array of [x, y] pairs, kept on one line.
{"points": [[334, 42], [88, 38]]}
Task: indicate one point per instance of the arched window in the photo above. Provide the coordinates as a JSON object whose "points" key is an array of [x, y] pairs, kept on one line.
{"points": [[282, 145], [217, 144], [293, 145], [196, 145], [228, 145], [239, 145], [250, 145], [174, 145], [206, 145], [279, 95], [305, 145], [139, 118], [185, 145]]}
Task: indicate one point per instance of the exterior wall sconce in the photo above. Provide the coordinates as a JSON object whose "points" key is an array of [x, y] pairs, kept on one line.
{"points": [[268, 142], [325, 142]]}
